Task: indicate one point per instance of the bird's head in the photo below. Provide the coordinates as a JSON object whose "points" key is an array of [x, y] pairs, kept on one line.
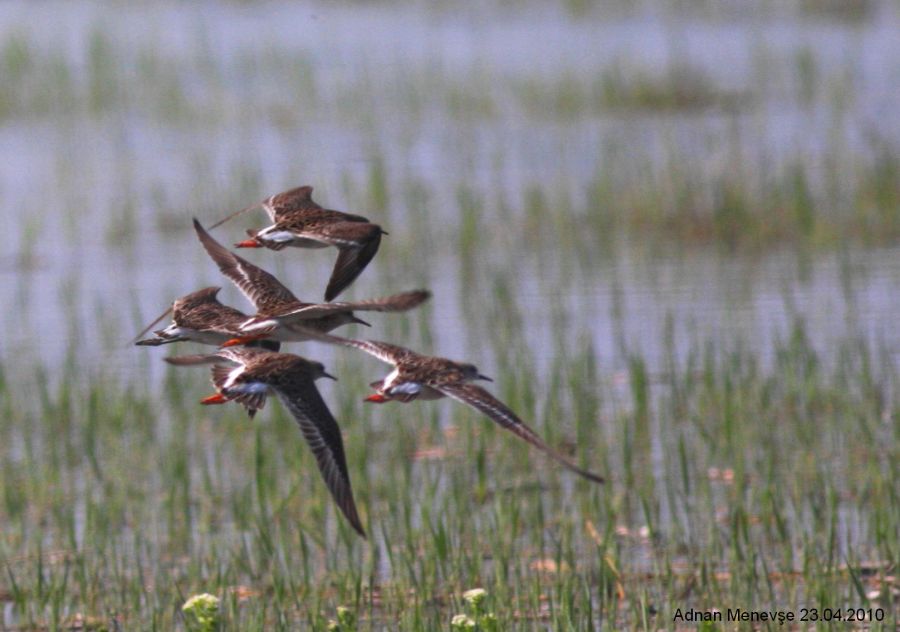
{"points": [[470, 372]]}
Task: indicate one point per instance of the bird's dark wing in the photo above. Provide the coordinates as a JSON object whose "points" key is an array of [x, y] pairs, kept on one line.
{"points": [[484, 402], [321, 432], [261, 288], [357, 244], [395, 303], [386, 352], [194, 360]]}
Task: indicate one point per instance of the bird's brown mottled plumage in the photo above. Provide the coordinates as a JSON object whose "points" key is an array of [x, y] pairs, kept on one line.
{"points": [[428, 377], [199, 317], [300, 222], [291, 203], [292, 379]]}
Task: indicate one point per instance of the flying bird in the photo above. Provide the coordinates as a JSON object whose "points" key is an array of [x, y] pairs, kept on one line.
{"points": [[247, 376], [417, 376], [279, 314], [300, 222], [200, 317]]}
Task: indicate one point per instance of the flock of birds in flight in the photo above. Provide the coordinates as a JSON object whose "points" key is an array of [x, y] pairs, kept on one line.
{"points": [[248, 365]]}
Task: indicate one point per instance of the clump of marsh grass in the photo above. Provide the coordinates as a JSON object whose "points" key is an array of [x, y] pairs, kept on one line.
{"points": [[745, 208], [620, 88], [743, 476], [853, 11]]}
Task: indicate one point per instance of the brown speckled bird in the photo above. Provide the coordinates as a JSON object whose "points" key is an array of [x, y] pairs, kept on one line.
{"points": [[300, 222], [279, 314], [248, 375], [200, 317], [417, 376]]}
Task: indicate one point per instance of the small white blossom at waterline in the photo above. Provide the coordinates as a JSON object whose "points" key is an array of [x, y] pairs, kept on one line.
{"points": [[201, 613], [478, 619], [462, 622], [475, 597]]}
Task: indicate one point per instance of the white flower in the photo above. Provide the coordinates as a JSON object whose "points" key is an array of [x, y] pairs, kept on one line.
{"points": [[201, 612], [475, 596], [462, 622]]}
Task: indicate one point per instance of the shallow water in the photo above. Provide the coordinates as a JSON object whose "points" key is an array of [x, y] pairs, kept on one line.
{"points": [[106, 197]]}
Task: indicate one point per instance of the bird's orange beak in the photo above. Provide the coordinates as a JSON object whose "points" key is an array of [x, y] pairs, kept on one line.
{"points": [[248, 243], [376, 398], [218, 398]]}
